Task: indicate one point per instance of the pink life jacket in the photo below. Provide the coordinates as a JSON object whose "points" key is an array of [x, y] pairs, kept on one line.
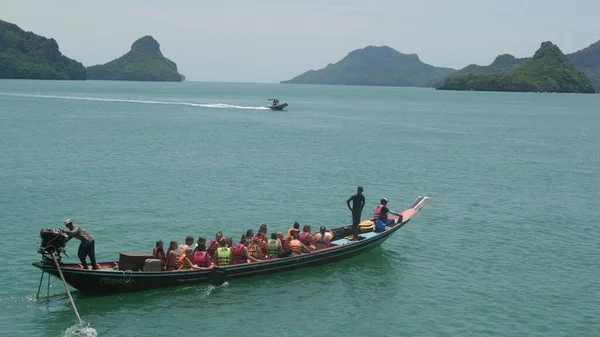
{"points": [[303, 237], [201, 258], [163, 259], [237, 254], [210, 249], [377, 213]]}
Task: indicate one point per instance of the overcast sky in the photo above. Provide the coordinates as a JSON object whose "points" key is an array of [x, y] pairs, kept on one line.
{"points": [[274, 40]]}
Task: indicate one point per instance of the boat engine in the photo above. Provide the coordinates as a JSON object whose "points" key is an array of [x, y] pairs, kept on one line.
{"points": [[53, 241]]}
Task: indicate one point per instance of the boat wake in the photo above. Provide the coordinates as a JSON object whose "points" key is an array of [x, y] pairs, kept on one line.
{"points": [[135, 101], [83, 329]]}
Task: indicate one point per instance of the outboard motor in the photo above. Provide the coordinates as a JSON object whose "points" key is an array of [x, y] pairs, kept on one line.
{"points": [[53, 241]]}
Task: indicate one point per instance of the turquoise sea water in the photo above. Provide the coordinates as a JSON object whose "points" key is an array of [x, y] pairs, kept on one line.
{"points": [[508, 246]]}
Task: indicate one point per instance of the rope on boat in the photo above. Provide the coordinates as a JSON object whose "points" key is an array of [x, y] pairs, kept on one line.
{"points": [[130, 275], [66, 286]]}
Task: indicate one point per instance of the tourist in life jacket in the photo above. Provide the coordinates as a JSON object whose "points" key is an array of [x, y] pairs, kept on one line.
{"points": [[262, 245], [305, 236], [380, 216], [185, 260], [254, 249], [159, 253], [285, 247], [296, 227], [201, 257], [274, 246], [87, 245], [172, 257], [223, 255], [214, 244], [296, 246], [240, 252]]}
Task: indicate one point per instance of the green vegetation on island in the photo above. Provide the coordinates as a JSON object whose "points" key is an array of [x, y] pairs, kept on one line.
{"points": [[549, 70], [377, 66], [502, 64], [588, 61], [144, 62], [26, 55]]}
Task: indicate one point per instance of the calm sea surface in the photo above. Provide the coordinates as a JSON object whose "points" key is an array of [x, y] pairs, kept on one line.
{"points": [[508, 246]]}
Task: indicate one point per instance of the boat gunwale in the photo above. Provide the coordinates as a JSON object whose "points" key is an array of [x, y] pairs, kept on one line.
{"points": [[314, 255], [247, 268]]}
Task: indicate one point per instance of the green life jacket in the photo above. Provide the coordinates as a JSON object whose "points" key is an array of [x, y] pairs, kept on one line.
{"points": [[274, 247], [223, 256]]}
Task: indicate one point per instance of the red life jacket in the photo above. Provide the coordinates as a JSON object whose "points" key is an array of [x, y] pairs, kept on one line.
{"points": [[377, 213], [237, 254], [201, 259], [210, 249], [303, 237]]}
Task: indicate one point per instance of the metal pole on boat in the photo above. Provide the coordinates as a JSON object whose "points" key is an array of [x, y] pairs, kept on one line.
{"points": [[37, 297], [66, 286]]}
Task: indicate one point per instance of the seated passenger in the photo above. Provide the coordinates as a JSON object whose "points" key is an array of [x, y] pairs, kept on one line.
{"points": [[250, 234], [223, 255], [254, 249], [274, 246], [185, 260], [322, 237], [201, 257], [380, 216], [296, 227], [262, 245], [310, 243], [214, 244], [296, 246], [159, 253], [201, 240], [172, 257], [240, 252], [189, 241], [263, 229], [305, 236], [281, 240]]}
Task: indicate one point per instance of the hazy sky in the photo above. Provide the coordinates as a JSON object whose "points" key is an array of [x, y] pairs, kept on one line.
{"points": [[274, 40]]}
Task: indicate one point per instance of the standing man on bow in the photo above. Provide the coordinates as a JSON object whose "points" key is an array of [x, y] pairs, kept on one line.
{"points": [[86, 248], [358, 203]]}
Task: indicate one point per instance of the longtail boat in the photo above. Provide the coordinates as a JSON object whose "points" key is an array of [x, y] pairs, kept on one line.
{"points": [[111, 278]]}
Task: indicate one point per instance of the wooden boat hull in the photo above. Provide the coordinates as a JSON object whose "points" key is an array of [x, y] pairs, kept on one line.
{"points": [[118, 281]]}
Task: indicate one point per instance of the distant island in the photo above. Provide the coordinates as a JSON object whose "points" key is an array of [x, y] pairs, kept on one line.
{"points": [[375, 66], [549, 70], [26, 55], [588, 61], [144, 62]]}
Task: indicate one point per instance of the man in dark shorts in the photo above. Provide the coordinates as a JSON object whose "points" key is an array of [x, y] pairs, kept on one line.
{"points": [[358, 203], [86, 248]]}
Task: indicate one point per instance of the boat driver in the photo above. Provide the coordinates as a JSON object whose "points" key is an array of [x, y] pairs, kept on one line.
{"points": [[86, 248]]}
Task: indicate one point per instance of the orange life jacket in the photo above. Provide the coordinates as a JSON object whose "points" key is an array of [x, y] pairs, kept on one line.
{"points": [[296, 246]]}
